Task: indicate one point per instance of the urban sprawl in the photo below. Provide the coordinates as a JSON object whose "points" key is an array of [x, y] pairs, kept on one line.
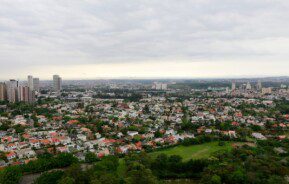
{"points": [[119, 117]]}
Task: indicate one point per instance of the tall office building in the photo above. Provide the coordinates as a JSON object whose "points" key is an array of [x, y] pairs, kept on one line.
{"points": [[12, 94], [57, 83], [30, 81], [3, 91], [36, 84]]}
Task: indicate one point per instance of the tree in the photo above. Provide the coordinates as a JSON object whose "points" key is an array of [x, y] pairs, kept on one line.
{"points": [[146, 109], [90, 157], [174, 163], [106, 178], [141, 175], [215, 179], [75, 172], [160, 165], [10, 175], [276, 179], [66, 180], [49, 177], [238, 176], [19, 128], [108, 164]]}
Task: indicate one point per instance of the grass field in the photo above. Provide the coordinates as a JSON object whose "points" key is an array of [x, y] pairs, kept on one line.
{"points": [[194, 151]]}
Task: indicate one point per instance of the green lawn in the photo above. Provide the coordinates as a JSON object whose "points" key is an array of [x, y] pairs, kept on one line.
{"points": [[194, 151]]}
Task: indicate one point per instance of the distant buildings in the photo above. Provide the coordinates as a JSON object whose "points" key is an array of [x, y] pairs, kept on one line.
{"points": [[266, 91], [13, 92], [33, 83], [57, 83], [160, 86]]}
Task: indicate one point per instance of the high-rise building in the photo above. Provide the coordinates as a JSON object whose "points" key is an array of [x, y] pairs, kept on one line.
{"points": [[266, 91], [30, 81], [248, 86], [25, 94], [12, 94], [3, 91], [36, 84], [160, 86], [259, 85], [57, 83], [233, 86]]}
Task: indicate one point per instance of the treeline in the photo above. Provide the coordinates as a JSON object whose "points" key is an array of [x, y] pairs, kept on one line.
{"points": [[172, 167], [134, 97], [133, 169], [267, 163], [104, 171], [256, 165], [12, 174], [200, 85], [282, 106]]}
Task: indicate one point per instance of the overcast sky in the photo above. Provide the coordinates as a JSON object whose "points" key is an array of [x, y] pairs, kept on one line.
{"points": [[143, 38]]}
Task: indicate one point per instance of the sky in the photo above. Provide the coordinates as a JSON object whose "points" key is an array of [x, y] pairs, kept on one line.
{"points": [[89, 39]]}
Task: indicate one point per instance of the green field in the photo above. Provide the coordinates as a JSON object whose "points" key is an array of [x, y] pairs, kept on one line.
{"points": [[194, 151]]}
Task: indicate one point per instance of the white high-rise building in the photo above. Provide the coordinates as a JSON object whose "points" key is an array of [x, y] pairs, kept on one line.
{"points": [[12, 94], [164, 86], [159, 86], [36, 84], [30, 81], [57, 83], [248, 86]]}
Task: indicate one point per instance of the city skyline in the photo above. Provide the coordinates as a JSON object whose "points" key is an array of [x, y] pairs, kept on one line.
{"points": [[188, 39]]}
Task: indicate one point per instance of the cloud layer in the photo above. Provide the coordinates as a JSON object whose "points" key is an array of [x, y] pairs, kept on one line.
{"points": [[46, 34]]}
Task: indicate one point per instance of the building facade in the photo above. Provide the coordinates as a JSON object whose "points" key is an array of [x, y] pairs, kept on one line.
{"points": [[36, 84], [30, 81], [57, 83], [12, 94], [25, 94], [3, 91]]}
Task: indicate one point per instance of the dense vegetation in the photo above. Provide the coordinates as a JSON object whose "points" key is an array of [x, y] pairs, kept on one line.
{"points": [[12, 175]]}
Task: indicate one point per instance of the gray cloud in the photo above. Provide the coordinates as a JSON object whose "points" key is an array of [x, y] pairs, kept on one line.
{"points": [[52, 32]]}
